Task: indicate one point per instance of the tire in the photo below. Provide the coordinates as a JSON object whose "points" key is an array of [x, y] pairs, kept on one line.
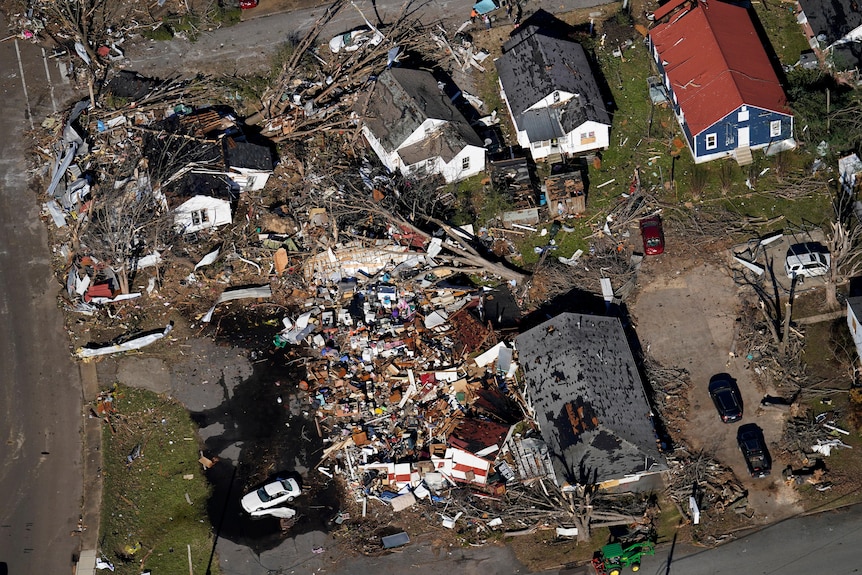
{"points": [[614, 571], [289, 499], [636, 566]]}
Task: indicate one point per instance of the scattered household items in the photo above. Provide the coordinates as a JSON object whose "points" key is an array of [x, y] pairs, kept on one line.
{"points": [[355, 39]]}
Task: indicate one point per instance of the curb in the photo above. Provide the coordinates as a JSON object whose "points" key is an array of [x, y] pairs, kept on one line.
{"points": [[92, 460]]}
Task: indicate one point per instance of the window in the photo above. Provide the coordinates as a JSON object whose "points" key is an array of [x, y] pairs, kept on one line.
{"points": [[774, 128], [200, 217], [465, 163], [711, 141], [556, 97], [588, 137], [743, 114]]}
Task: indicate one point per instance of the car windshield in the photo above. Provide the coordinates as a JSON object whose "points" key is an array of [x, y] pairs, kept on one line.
{"points": [[263, 495], [653, 242]]}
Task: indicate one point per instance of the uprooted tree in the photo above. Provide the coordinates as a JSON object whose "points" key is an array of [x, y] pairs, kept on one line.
{"points": [[843, 241], [124, 222], [314, 94], [414, 211]]}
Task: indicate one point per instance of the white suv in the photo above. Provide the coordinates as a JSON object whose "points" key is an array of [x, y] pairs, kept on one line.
{"points": [[807, 260]]}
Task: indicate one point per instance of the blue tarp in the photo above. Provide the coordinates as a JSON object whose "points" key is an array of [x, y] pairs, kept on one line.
{"points": [[485, 6]]}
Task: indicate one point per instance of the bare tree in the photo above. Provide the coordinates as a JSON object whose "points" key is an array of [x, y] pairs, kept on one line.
{"points": [[843, 241], [85, 20], [125, 221]]}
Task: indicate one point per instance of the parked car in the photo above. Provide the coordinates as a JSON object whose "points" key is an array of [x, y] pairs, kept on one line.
{"points": [[807, 260], [653, 235], [725, 396], [247, 4], [271, 494], [754, 451], [355, 39]]}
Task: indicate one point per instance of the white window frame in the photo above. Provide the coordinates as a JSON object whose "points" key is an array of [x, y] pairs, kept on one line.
{"points": [[711, 141], [200, 217], [775, 128], [465, 163]]}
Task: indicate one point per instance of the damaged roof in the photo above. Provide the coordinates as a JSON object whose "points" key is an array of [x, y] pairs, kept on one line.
{"points": [[533, 66], [716, 62], [246, 155], [193, 184], [402, 100], [589, 399], [833, 19]]}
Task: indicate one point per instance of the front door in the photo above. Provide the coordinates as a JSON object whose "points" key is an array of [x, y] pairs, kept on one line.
{"points": [[743, 140]]}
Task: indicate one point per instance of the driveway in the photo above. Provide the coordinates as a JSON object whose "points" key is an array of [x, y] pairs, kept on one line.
{"points": [[685, 314]]}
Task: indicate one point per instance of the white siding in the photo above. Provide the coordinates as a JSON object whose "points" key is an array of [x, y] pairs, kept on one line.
{"points": [[217, 210], [249, 180]]}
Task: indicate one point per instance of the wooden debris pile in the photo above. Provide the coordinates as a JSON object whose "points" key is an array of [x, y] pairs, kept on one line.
{"points": [[316, 93], [713, 485]]}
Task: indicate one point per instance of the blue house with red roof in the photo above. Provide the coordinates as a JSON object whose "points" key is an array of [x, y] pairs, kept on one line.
{"points": [[723, 88]]}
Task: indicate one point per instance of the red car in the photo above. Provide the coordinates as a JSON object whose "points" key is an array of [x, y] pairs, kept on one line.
{"points": [[247, 4], [653, 235]]}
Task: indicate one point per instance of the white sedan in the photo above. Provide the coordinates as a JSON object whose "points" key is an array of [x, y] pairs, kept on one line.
{"points": [[270, 495], [355, 39]]}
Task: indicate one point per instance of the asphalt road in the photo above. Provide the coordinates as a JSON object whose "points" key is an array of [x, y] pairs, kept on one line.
{"points": [[827, 543], [40, 401], [245, 48]]}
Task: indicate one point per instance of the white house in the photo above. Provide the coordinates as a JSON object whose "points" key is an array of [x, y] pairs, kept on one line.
{"points": [[552, 95], [854, 321], [248, 165], [414, 128], [201, 201]]}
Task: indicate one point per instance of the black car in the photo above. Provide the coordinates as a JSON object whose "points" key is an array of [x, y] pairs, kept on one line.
{"points": [[753, 447], [725, 396]]}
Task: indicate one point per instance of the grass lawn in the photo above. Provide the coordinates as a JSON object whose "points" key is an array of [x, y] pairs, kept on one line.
{"points": [[647, 138], [147, 501], [785, 34]]}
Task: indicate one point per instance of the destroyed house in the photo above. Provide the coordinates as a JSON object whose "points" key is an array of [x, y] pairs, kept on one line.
{"points": [[723, 89], [248, 165], [552, 95], [834, 26], [200, 201], [588, 399], [413, 127]]}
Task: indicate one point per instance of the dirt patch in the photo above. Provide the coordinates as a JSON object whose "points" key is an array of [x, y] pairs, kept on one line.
{"points": [[685, 318]]}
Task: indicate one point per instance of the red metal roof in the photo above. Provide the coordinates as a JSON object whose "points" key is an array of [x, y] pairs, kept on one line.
{"points": [[716, 63]]}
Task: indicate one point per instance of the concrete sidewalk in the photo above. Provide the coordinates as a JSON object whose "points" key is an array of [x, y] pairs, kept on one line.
{"points": [[92, 468]]}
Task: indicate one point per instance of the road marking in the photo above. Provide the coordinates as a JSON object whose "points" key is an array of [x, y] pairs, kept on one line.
{"points": [[24, 84], [50, 83]]}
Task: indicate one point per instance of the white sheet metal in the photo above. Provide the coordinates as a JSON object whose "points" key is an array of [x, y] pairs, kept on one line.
{"points": [[132, 344], [255, 292]]}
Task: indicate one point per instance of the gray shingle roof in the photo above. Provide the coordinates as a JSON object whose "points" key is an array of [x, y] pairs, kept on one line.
{"points": [[832, 18], [588, 397], [247, 155], [534, 65], [403, 99]]}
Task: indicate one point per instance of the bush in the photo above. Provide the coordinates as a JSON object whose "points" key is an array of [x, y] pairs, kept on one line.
{"points": [[162, 34]]}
